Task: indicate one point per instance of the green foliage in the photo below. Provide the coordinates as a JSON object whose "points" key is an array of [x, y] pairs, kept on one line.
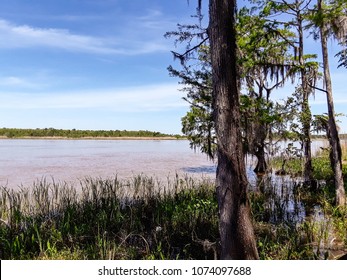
{"points": [[108, 219], [342, 55], [267, 58], [198, 123], [332, 15], [73, 133]]}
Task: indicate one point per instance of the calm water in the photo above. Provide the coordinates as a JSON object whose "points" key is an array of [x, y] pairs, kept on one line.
{"points": [[24, 161]]}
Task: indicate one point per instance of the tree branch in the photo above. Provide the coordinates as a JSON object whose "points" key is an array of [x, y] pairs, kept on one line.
{"points": [[182, 57], [323, 90]]}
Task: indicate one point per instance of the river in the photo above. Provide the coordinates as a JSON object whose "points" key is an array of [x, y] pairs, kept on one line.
{"points": [[24, 161]]}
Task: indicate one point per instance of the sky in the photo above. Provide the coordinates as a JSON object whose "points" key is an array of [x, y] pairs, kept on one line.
{"points": [[100, 64]]}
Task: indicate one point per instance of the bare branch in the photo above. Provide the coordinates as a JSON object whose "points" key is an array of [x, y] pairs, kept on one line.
{"points": [[314, 87], [182, 57]]}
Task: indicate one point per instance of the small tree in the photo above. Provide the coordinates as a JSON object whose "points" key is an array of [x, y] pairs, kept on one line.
{"points": [[330, 20], [198, 123]]}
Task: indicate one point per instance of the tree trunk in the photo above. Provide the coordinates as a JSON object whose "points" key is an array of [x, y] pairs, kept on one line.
{"points": [[260, 133], [308, 168], [306, 116], [261, 166], [235, 224], [336, 153]]}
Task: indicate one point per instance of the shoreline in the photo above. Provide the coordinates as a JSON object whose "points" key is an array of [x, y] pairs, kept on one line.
{"points": [[93, 138]]}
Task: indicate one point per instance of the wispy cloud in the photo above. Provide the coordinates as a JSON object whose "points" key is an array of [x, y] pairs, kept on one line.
{"points": [[32, 81], [12, 81], [25, 36], [137, 99]]}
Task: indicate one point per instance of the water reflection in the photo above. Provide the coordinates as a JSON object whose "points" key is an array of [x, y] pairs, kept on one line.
{"points": [[283, 201], [200, 169], [281, 205]]}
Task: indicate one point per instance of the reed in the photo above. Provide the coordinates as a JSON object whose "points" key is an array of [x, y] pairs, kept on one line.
{"points": [[135, 219], [143, 218]]}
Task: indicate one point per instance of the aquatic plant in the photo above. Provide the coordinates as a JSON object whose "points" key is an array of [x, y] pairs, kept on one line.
{"points": [[144, 218], [134, 219]]}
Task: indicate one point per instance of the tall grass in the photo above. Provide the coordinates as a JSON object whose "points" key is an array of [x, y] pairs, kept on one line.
{"points": [[109, 219], [323, 231], [294, 165], [143, 218], [298, 225]]}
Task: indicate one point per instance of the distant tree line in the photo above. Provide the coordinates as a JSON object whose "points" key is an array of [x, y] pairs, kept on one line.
{"points": [[74, 133]]}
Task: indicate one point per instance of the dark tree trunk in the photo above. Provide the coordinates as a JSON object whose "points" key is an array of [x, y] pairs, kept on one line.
{"points": [[308, 168], [261, 166], [306, 116], [235, 224], [336, 153], [258, 144]]}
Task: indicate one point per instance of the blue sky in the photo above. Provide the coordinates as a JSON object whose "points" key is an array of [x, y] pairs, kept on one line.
{"points": [[98, 64]]}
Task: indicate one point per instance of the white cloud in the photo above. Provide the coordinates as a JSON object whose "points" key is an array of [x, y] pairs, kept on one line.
{"points": [[24, 36], [137, 99], [12, 81]]}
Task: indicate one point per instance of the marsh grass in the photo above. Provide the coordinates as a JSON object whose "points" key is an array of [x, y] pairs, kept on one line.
{"points": [[143, 218], [312, 231], [321, 164], [295, 221], [109, 219]]}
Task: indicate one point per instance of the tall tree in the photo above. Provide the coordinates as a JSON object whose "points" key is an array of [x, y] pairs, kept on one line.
{"points": [[263, 48], [302, 66], [236, 229], [306, 117], [330, 19], [263, 65]]}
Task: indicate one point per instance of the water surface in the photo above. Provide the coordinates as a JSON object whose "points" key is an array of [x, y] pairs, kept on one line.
{"points": [[24, 161]]}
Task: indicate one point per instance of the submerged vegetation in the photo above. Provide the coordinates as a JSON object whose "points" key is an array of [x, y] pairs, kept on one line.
{"points": [[74, 133]]}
